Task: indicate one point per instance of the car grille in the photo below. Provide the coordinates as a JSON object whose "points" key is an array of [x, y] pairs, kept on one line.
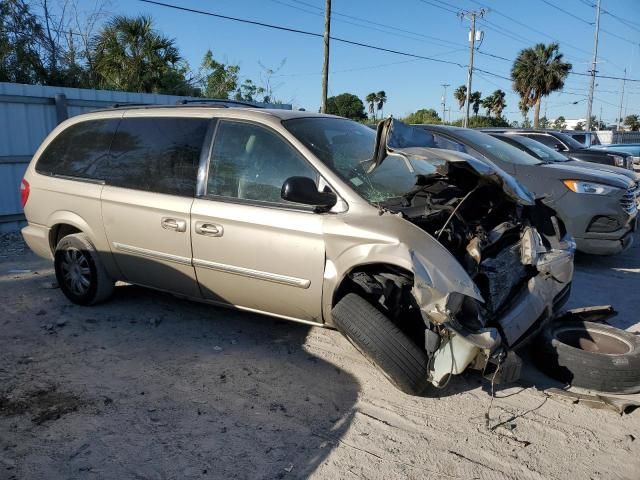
{"points": [[630, 199]]}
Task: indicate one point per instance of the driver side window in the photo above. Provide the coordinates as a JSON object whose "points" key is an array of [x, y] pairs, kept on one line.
{"points": [[250, 162]]}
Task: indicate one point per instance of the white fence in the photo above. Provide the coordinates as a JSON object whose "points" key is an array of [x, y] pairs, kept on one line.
{"points": [[29, 112]]}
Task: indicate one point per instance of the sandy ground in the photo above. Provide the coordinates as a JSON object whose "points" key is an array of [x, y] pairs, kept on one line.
{"points": [[151, 387]]}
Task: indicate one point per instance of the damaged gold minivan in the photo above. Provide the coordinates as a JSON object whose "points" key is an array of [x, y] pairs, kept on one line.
{"points": [[428, 261]]}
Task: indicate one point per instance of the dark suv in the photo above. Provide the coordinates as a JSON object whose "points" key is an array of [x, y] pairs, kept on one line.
{"points": [[570, 147]]}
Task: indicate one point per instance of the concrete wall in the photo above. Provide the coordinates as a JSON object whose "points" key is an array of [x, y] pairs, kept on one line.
{"points": [[29, 112]]}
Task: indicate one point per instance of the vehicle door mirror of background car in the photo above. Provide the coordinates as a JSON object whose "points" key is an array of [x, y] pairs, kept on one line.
{"points": [[559, 147], [304, 190]]}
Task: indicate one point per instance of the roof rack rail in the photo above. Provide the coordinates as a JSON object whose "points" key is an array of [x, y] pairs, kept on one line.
{"points": [[216, 101], [127, 105]]}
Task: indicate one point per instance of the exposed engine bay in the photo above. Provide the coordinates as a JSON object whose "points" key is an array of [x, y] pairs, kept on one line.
{"points": [[511, 246], [481, 226]]}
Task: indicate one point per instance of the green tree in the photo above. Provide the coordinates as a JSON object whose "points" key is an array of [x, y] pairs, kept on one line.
{"points": [[131, 55], [371, 104], [346, 105], [579, 126], [424, 115], [475, 99], [248, 92], [482, 121], [488, 103], [537, 72], [633, 122], [499, 103], [544, 122], [381, 99], [560, 123], [21, 37], [217, 79], [460, 94]]}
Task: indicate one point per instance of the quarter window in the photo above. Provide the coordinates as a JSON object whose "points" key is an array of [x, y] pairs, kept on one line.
{"points": [[79, 150], [156, 154], [547, 140], [250, 162]]}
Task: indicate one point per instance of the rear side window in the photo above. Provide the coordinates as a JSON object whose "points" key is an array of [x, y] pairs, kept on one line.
{"points": [[547, 140], [158, 155], [79, 150]]}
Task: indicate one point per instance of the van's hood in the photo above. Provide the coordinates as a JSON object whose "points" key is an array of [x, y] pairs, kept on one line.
{"points": [[575, 171], [397, 138]]}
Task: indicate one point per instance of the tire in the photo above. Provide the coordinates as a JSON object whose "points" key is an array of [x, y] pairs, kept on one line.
{"points": [[590, 355], [382, 343], [79, 271]]}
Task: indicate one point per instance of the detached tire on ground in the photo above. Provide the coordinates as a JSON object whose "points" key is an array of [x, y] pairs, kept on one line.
{"points": [[79, 271], [590, 355], [382, 343]]}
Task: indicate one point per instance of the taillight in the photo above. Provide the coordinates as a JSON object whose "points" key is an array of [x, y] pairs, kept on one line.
{"points": [[24, 192]]}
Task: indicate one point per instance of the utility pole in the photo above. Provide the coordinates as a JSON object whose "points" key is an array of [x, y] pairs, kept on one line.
{"points": [[600, 119], [472, 43], [325, 65], [444, 100], [593, 67], [624, 80]]}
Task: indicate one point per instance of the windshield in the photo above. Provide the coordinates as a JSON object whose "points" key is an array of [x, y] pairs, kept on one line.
{"points": [[536, 148], [492, 147], [346, 147]]}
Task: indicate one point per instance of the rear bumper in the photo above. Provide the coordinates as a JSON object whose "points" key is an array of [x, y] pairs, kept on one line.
{"points": [[37, 238]]}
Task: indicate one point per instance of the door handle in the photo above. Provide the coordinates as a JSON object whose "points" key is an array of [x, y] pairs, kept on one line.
{"points": [[175, 224], [209, 229]]}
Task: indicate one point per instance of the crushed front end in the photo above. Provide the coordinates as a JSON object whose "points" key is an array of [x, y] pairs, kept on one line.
{"points": [[514, 249]]}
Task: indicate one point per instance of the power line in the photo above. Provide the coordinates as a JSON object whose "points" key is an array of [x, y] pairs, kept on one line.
{"points": [[526, 26], [348, 42], [370, 24], [567, 12], [593, 5], [301, 32]]}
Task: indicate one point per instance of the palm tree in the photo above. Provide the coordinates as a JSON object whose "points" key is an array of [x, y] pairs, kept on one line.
{"points": [[633, 122], [475, 99], [499, 103], [381, 98], [488, 103], [460, 94], [371, 101], [130, 55], [536, 73]]}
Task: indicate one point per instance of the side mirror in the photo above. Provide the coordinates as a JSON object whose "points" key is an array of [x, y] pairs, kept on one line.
{"points": [[559, 147], [304, 190]]}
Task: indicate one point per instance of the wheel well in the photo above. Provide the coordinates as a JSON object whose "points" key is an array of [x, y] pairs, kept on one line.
{"points": [[388, 288], [59, 231], [350, 283]]}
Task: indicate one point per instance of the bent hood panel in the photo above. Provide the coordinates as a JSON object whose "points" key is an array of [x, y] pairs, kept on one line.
{"points": [[416, 145]]}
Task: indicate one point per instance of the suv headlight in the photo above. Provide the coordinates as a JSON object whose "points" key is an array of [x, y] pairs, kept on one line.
{"points": [[578, 186], [618, 160]]}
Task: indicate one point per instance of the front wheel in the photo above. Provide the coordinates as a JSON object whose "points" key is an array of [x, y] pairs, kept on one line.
{"points": [[80, 274], [382, 343]]}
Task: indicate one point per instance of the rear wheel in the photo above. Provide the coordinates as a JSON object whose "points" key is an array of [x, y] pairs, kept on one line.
{"points": [[382, 343], [80, 274], [590, 355]]}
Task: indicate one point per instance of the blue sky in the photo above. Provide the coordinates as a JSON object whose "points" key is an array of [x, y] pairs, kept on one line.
{"points": [[423, 27]]}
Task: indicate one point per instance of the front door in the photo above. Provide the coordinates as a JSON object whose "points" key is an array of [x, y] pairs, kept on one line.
{"points": [[252, 249], [147, 199]]}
